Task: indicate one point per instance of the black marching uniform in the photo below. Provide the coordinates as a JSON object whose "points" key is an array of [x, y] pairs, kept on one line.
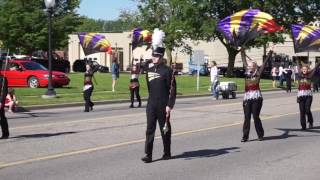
{"points": [[159, 81], [3, 119], [87, 90]]}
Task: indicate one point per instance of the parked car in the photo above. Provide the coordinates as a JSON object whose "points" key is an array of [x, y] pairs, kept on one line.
{"points": [[80, 66], [57, 64], [204, 71], [26, 73]]}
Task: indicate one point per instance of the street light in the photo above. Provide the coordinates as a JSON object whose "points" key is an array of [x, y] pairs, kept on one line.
{"points": [[50, 91]]}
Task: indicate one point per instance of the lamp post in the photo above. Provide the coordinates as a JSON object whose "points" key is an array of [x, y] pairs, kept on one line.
{"points": [[50, 91]]}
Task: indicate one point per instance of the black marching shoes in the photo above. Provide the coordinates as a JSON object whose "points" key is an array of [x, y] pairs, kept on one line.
{"points": [[166, 157], [147, 159]]}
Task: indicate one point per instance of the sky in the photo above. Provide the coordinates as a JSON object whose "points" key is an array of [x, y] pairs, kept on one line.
{"points": [[105, 9]]}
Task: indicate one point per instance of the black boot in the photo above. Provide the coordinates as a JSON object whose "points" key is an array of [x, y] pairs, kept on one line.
{"points": [[147, 159], [139, 104], [131, 106], [166, 156]]}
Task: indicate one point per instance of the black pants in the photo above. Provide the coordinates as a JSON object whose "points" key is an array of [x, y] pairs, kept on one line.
{"points": [[305, 110], [156, 112], [252, 107], [87, 98], [316, 84], [135, 91], [288, 83], [4, 123]]}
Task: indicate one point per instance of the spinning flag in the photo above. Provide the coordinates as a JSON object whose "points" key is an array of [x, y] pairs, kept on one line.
{"points": [[94, 43], [140, 37], [305, 38], [246, 25]]}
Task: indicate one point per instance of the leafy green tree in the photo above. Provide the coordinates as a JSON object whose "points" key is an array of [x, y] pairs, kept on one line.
{"points": [[197, 19], [285, 13], [90, 25], [165, 15], [24, 24]]}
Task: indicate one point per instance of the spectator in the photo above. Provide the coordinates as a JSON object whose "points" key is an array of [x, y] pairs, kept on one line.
{"points": [[114, 72], [214, 79], [296, 73], [274, 75], [281, 76], [11, 100], [287, 72]]}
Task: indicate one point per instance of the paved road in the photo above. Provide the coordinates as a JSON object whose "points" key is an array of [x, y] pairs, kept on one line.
{"points": [[108, 143]]}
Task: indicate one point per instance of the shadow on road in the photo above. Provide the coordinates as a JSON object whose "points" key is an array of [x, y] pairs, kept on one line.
{"points": [[43, 135], [286, 133], [205, 153]]}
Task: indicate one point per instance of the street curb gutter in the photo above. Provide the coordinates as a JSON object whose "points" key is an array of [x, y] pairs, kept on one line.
{"points": [[119, 101]]}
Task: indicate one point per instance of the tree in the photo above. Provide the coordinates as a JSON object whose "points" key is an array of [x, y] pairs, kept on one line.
{"points": [[285, 12], [165, 15], [24, 24], [196, 19]]}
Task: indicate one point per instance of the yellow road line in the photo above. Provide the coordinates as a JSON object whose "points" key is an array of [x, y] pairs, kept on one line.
{"points": [[106, 118], [121, 116], [106, 147]]}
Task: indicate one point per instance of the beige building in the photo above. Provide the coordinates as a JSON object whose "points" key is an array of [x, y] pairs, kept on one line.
{"points": [[213, 50]]}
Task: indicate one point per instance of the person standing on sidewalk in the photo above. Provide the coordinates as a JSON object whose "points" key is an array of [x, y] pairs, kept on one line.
{"points": [[114, 72], [162, 95], [305, 96], [274, 76], [3, 119], [134, 86], [214, 76], [287, 72], [252, 103]]}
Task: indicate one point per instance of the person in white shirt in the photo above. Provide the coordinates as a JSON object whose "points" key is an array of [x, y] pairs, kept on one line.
{"points": [[214, 75], [281, 78]]}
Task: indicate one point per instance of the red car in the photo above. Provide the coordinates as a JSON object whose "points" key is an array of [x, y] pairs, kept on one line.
{"points": [[25, 73]]}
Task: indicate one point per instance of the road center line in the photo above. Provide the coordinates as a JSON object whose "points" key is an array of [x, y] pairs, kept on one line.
{"points": [[106, 147]]}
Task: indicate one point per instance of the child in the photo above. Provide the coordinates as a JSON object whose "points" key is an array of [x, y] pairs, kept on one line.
{"points": [[11, 100]]}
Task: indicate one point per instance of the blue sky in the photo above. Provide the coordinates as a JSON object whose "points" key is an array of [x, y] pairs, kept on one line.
{"points": [[105, 9]]}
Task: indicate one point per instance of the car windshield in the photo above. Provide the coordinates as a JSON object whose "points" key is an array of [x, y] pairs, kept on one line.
{"points": [[33, 66]]}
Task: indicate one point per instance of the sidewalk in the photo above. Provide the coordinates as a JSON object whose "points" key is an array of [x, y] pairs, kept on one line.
{"points": [[77, 104]]}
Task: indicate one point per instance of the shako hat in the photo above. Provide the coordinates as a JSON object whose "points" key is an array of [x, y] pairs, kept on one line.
{"points": [[157, 42]]}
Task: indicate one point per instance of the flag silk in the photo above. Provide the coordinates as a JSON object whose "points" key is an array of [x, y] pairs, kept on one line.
{"points": [[305, 38], [140, 37], [94, 43], [246, 25]]}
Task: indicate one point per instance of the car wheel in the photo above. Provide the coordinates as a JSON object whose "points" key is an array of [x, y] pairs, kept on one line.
{"points": [[33, 82]]}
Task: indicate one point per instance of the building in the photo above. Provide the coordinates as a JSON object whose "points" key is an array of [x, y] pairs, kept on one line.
{"points": [[213, 50]]}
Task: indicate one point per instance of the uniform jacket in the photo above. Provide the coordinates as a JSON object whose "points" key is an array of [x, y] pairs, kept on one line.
{"points": [[159, 78]]}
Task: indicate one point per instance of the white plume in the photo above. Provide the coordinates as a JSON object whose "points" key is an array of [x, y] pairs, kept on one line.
{"points": [[157, 38]]}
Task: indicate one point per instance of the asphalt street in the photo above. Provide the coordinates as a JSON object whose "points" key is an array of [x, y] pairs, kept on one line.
{"points": [[68, 144]]}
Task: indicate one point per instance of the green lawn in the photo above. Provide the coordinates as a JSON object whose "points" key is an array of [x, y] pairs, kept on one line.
{"points": [[186, 85]]}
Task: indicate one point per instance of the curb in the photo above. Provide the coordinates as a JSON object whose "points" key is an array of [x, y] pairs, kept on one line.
{"points": [[119, 101]]}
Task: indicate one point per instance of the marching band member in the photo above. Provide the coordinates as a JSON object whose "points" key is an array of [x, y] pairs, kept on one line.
{"points": [[3, 119], [304, 97], [134, 85], [252, 103], [162, 95], [88, 88]]}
